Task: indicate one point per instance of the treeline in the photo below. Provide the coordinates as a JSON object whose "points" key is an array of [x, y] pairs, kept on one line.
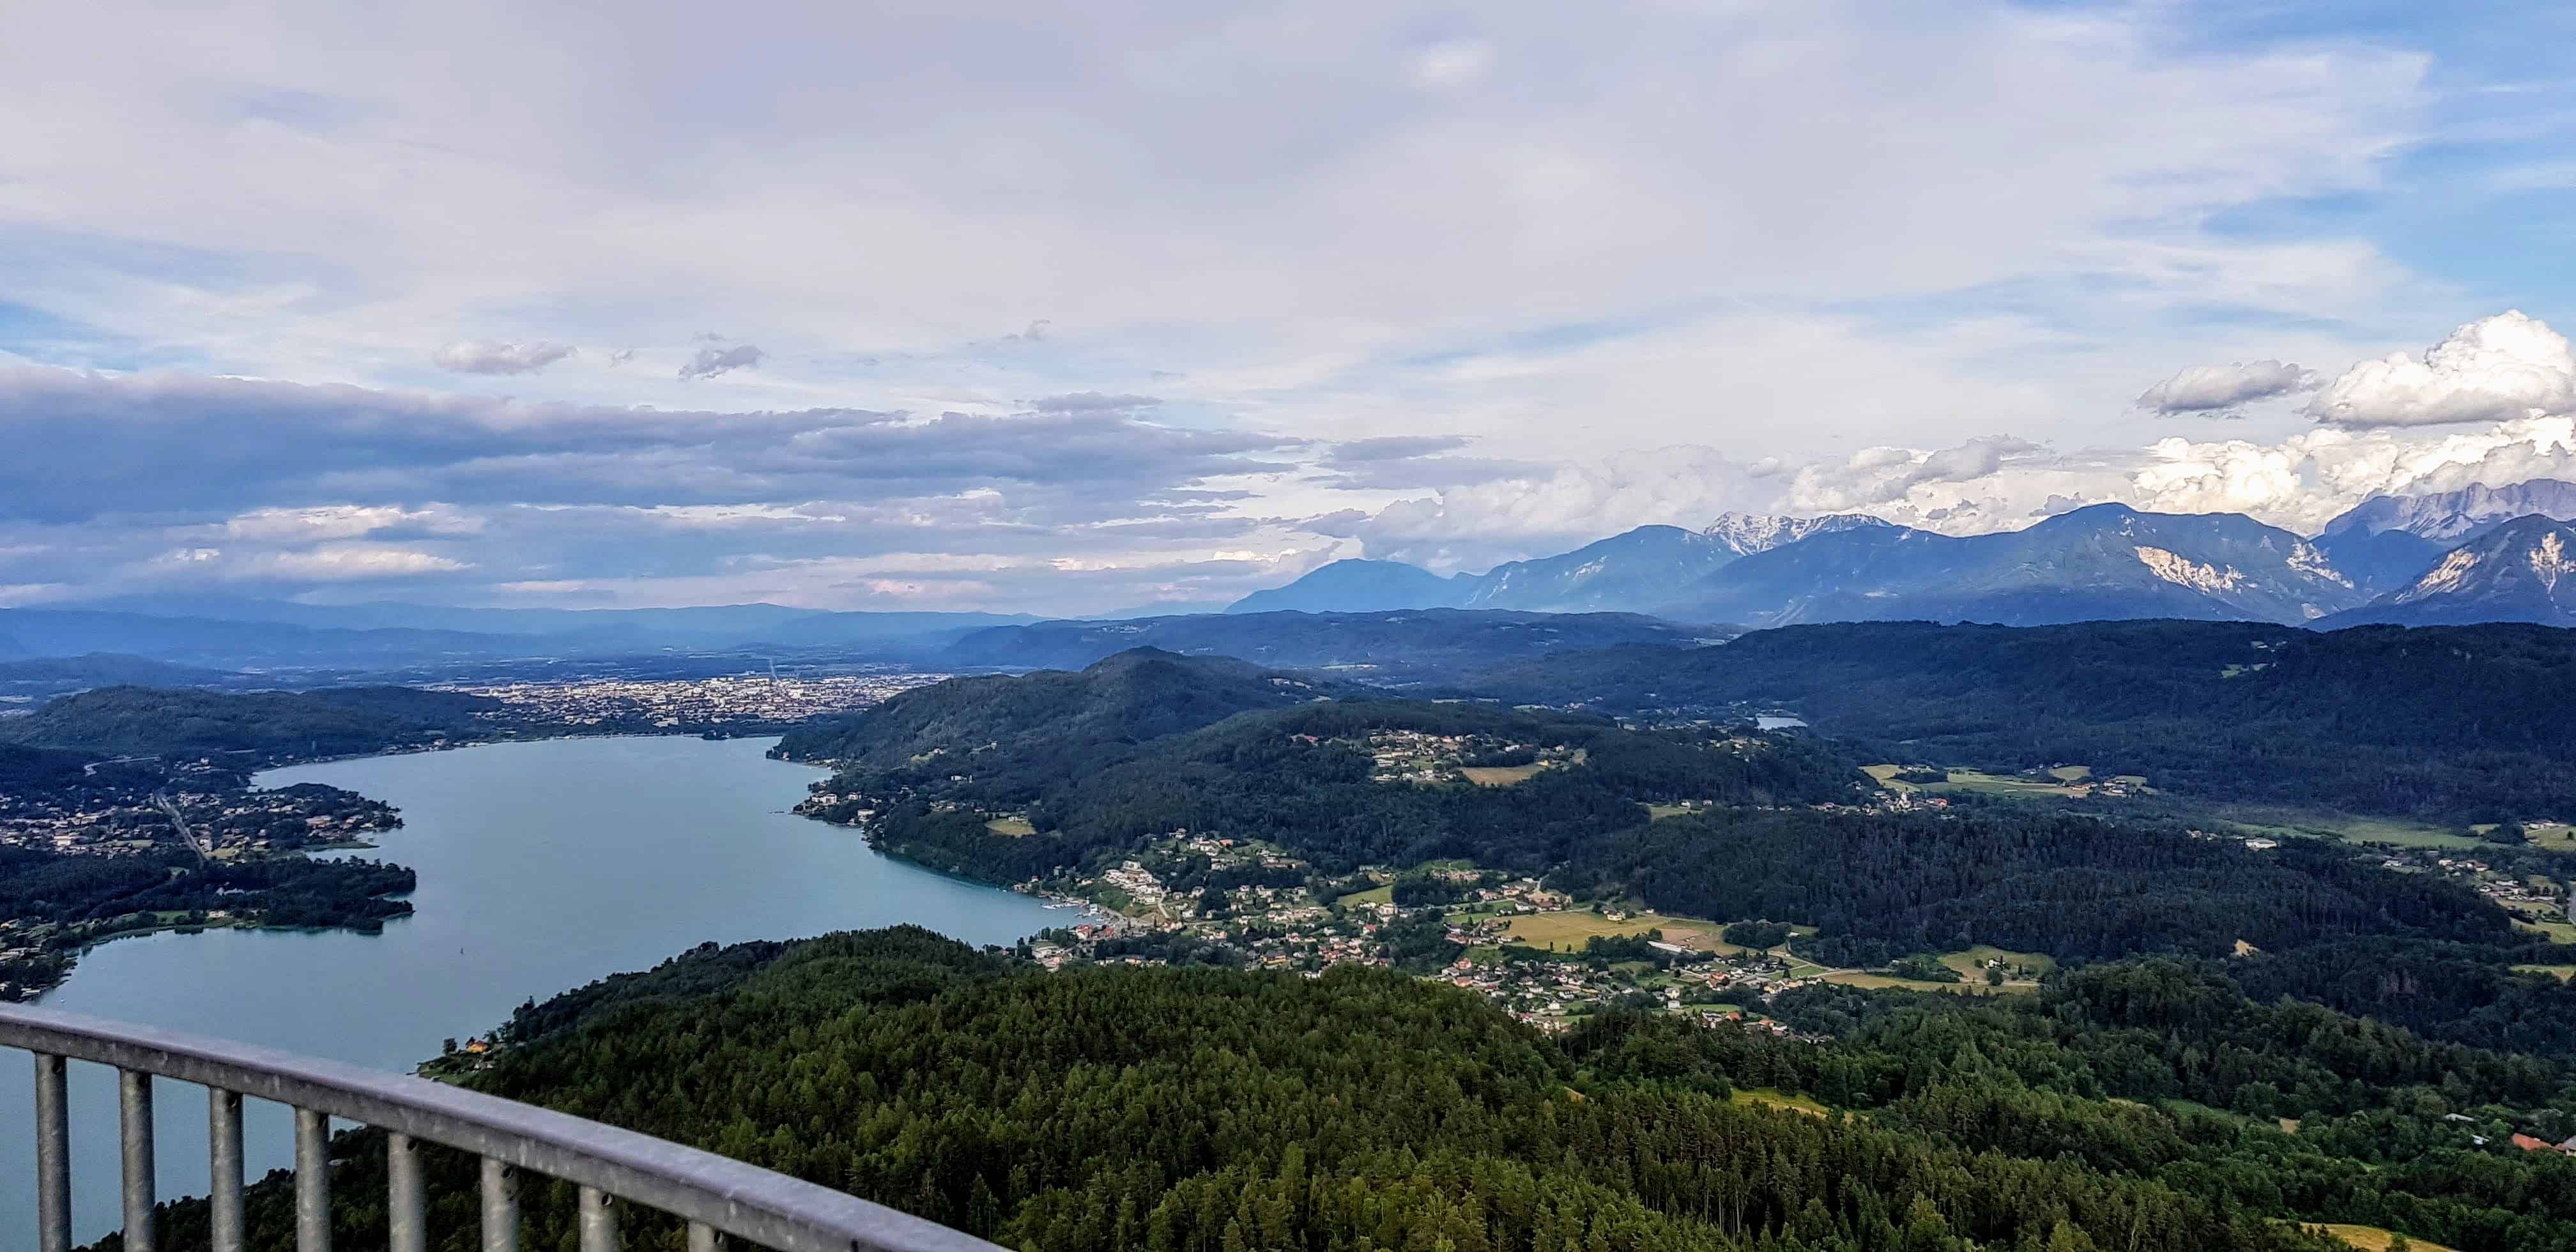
{"points": [[83, 898], [1220, 1111], [1881, 885], [2443, 721], [253, 726], [1296, 778]]}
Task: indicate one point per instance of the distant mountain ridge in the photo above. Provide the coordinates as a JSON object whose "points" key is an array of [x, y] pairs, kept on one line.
{"points": [[2521, 571], [1625, 573], [1395, 645], [2387, 541], [1358, 586], [2105, 561]]}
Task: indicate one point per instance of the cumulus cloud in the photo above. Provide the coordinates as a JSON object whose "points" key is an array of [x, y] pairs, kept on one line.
{"points": [[1878, 476], [499, 356], [713, 359], [2508, 366], [1480, 524], [2222, 388]]}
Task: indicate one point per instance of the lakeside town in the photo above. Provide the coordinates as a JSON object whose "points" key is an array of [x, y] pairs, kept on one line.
{"points": [[740, 703]]}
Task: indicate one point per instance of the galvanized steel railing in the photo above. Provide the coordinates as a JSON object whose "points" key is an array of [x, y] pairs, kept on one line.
{"points": [[715, 1195]]}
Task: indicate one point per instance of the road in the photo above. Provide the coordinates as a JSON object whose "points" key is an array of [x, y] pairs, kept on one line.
{"points": [[180, 820]]}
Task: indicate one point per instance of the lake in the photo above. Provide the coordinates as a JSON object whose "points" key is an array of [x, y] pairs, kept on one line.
{"points": [[543, 866]]}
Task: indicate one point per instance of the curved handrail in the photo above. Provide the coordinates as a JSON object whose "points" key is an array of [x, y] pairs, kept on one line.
{"points": [[751, 1203]]}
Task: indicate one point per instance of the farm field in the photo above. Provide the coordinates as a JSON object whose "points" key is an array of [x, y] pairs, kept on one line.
{"points": [[2392, 832], [1502, 775], [2065, 782], [2372, 1238], [1014, 827], [1566, 931], [1886, 982], [1972, 963]]}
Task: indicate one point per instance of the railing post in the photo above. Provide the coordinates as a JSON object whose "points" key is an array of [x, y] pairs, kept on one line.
{"points": [[224, 1168], [134, 1126], [406, 1201], [312, 1181], [53, 1158], [500, 1206], [598, 1221], [702, 1237]]}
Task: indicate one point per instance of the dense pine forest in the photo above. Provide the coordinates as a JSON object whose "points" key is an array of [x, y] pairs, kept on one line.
{"points": [[251, 728], [2131, 1106]]}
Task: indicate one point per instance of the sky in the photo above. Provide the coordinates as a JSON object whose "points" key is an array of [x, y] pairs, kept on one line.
{"points": [[1096, 308]]}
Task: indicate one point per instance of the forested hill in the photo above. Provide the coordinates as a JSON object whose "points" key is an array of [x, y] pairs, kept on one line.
{"points": [[1389, 646], [1111, 1109], [2445, 721], [1339, 783], [1139, 694], [253, 726]]}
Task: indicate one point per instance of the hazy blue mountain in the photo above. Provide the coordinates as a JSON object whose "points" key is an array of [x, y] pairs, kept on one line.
{"points": [[1399, 645], [1357, 586], [1622, 573], [2385, 542], [1748, 533], [2103, 562], [2521, 571], [1139, 694], [43, 676], [1629, 572]]}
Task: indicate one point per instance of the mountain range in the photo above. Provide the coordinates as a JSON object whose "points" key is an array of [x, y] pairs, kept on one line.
{"points": [[2105, 561], [2521, 571]]}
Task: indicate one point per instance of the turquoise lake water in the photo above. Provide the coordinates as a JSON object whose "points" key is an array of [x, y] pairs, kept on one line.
{"points": [[543, 866]]}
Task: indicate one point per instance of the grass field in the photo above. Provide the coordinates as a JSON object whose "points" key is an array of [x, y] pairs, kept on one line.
{"points": [[1658, 812], [1972, 963], [2395, 832], [2555, 836], [2065, 782], [1768, 1098], [2372, 1238], [2558, 932], [1383, 893], [1502, 775], [1015, 827], [1566, 931], [1885, 982], [2563, 972]]}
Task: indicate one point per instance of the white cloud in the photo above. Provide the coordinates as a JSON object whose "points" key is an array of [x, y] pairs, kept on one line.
{"points": [[330, 563], [1452, 63], [2507, 366], [2212, 388], [498, 356], [712, 360]]}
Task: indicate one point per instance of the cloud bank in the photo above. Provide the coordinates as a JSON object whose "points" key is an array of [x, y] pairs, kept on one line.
{"points": [[496, 356]]}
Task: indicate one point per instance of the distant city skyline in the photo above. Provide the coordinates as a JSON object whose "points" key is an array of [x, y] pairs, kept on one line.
{"points": [[879, 307]]}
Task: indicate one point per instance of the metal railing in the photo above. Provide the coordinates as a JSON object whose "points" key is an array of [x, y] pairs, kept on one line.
{"points": [[715, 1195]]}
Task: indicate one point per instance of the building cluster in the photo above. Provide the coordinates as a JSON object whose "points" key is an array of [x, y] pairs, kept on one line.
{"points": [[744, 700], [1412, 756], [1153, 908], [207, 810]]}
